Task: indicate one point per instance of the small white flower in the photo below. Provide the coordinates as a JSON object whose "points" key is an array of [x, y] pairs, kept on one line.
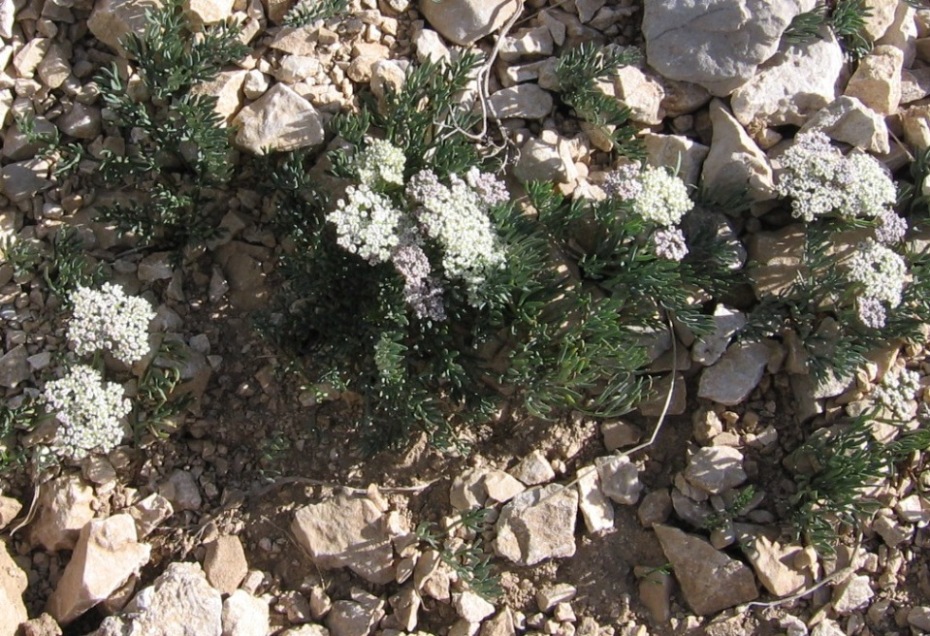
{"points": [[88, 411], [881, 272], [664, 197], [897, 391], [367, 224], [108, 319], [820, 180], [381, 162], [670, 243]]}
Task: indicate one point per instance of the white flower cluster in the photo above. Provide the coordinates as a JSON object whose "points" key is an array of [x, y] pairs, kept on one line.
{"points": [[88, 411], [670, 243], [380, 163], [664, 198], [367, 224], [820, 181], [107, 318], [882, 275], [457, 218], [897, 391]]}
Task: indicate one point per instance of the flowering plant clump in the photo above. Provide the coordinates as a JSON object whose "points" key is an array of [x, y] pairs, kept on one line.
{"points": [[897, 391], [881, 273], [88, 410], [820, 181], [108, 319], [658, 198], [367, 224], [381, 163]]}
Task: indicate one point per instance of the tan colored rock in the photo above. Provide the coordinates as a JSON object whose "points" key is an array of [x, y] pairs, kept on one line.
{"points": [[245, 615], [112, 21], [916, 123], [346, 532], [55, 68], [902, 33], [106, 555], [735, 162], [775, 566], [877, 80], [27, 59], [710, 580], [9, 508], [538, 524], [467, 21], [849, 121], [227, 86], [641, 93], [65, 507], [524, 101], [203, 12], [676, 150], [279, 120], [225, 564], [150, 513], [13, 583], [879, 15]]}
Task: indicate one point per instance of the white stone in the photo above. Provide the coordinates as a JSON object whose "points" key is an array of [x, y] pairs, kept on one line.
{"points": [[676, 150], [27, 59], [877, 80], [849, 121], [538, 524], [534, 469], [472, 607], [542, 160], [596, 509], [208, 11], [641, 93], [715, 469], [525, 101], [466, 21], [735, 375], [735, 162], [112, 21], [774, 566], [429, 47], [715, 43], [227, 87], [279, 120], [245, 615], [13, 583], [533, 42], [727, 322], [106, 555], [852, 594], [619, 479], [791, 86], [65, 506]]}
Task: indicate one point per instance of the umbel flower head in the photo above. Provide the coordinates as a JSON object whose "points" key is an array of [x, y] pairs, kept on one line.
{"points": [[819, 180], [367, 224], [88, 410], [381, 163], [108, 319], [881, 274], [658, 196], [897, 392]]}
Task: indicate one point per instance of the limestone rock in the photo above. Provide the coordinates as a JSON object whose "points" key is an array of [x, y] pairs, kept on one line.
{"points": [[22, 180], [791, 86], [546, 159], [208, 11], [179, 603], [655, 508], [534, 469], [65, 507], [849, 121], [472, 607], [467, 490], [618, 434], [776, 255], [355, 618], [406, 606], [227, 87], [735, 162], [916, 123], [736, 374], [149, 513], [596, 509], [27, 59], [538, 524], [655, 592], [225, 564], [710, 580], [715, 43], [501, 624], [500, 486], [525, 101], [466, 21], [852, 594], [619, 479], [112, 21], [641, 93], [774, 565], [245, 615], [14, 367], [346, 532], [877, 80], [13, 583], [279, 120], [708, 349], [676, 150], [715, 469], [879, 16], [81, 122], [106, 555], [182, 491], [9, 508]]}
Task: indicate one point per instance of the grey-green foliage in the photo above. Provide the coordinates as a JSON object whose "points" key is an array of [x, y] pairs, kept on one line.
{"points": [[834, 470], [467, 558], [845, 17], [177, 146], [578, 71], [306, 12]]}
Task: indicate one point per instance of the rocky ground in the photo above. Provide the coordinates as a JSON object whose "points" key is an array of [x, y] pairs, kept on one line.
{"points": [[257, 516]]}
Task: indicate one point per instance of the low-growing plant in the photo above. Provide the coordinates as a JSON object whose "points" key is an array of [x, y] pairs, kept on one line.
{"points": [[306, 12], [427, 290], [467, 558]]}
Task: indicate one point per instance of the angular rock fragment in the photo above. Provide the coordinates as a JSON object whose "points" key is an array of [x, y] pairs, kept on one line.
{"points": [[13, 583], [466, 21], [279, 120], [538, 524]]}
